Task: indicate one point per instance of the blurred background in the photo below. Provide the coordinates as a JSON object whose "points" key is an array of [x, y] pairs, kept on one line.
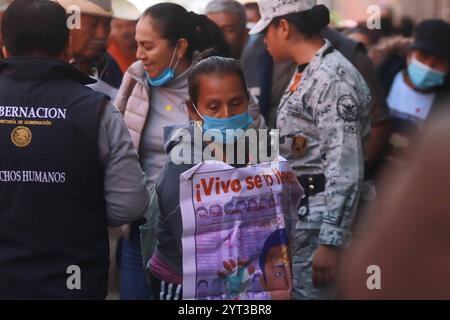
{"points": [[388, 49], [347, 9]]}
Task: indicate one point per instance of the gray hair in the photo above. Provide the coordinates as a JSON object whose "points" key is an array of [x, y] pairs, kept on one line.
{"points": [[229, 6]]}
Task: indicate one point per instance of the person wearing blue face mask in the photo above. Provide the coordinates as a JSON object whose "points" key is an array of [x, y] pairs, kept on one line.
{"points": [[424, 77], [224, 129], [152, 96], [422, 89], [218, 101], [166, 76]]}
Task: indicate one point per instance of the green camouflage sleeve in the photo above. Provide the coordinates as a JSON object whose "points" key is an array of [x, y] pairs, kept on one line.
{"points": [[338, 120]]}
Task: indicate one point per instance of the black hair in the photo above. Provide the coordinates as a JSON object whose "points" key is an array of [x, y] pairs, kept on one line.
{"points": [[174, 23], [215, 207], [252, 6], [309, 23], [201, 208], [202, 281], [407, 26], [363, 30], [213, 65], [35, 27], [278, 238], [211, 38], [228, 207], [239, 202]]}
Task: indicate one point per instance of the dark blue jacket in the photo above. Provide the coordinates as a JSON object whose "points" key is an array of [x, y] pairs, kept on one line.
{"points": [[52, 212]]}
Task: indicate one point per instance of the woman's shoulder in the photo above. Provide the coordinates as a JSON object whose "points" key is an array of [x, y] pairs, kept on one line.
{"points": [[324, 69], [135, 72], [339, 64], [338, 69], [133, 77]]}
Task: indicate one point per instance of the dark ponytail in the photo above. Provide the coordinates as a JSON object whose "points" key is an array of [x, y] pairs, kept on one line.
{"points": [[173, 23], [309, 23], [209, 37]]}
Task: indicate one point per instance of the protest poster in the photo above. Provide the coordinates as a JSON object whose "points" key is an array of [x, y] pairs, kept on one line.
{"points": [[237, 227]]}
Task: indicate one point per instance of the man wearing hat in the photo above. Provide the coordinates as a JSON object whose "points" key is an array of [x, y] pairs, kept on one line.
{"points": [[89, 42], [422, 90]]}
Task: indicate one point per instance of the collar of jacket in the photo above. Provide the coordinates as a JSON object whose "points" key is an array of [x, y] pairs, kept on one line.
{"points": [[342, 43], [318, 57], [137, 72], [41, 68], [326, 49], [98, 64]]}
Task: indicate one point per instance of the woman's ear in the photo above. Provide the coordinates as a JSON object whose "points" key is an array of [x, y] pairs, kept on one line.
{"points": [[182, 48], [193, 115], [284, 28]]}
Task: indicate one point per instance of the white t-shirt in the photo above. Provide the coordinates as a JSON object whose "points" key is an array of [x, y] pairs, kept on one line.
{"points": [[408, 104]]}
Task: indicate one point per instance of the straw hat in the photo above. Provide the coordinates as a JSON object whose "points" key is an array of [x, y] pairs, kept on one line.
{"points": [[120, 9]]}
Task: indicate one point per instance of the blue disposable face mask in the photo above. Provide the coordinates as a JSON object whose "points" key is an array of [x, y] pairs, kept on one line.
{"points": [[166, 76], [423, 77], [225, 127]]}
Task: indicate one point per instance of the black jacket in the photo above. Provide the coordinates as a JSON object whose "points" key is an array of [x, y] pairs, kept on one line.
{"points": [[52, 214]]}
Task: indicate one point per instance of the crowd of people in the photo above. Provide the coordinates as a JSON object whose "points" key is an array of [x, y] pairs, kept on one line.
{"points": [[87, 117]]}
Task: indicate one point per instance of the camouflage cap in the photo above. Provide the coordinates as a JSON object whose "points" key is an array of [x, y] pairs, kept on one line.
{"points": [[270, 9]]}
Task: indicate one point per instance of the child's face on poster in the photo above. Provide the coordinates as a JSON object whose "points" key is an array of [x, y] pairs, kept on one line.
{"points": [[277, 271]]}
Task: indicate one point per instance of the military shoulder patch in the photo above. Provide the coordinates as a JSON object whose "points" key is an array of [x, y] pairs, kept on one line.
{"points": [[347, 108]]}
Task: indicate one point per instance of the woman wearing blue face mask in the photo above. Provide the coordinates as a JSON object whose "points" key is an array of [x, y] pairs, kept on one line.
{"points": [[218, 101], [152, 96], [223, 129], [418, 90]]}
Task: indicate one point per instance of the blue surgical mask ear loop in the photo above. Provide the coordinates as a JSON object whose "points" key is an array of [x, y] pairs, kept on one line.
{"points": [[167, 75], [197, 122], [196, 110]]}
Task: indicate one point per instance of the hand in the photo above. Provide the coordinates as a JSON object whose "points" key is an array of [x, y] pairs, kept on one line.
{"points": [[230, 267], [236, 275], [324, 266]]}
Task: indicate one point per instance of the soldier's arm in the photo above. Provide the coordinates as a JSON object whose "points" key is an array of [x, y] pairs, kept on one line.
{"points": [[126, 193], [338, 121]]}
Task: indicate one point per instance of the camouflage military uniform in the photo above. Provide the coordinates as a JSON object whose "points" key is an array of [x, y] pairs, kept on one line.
{"points": [[324, 124]]}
